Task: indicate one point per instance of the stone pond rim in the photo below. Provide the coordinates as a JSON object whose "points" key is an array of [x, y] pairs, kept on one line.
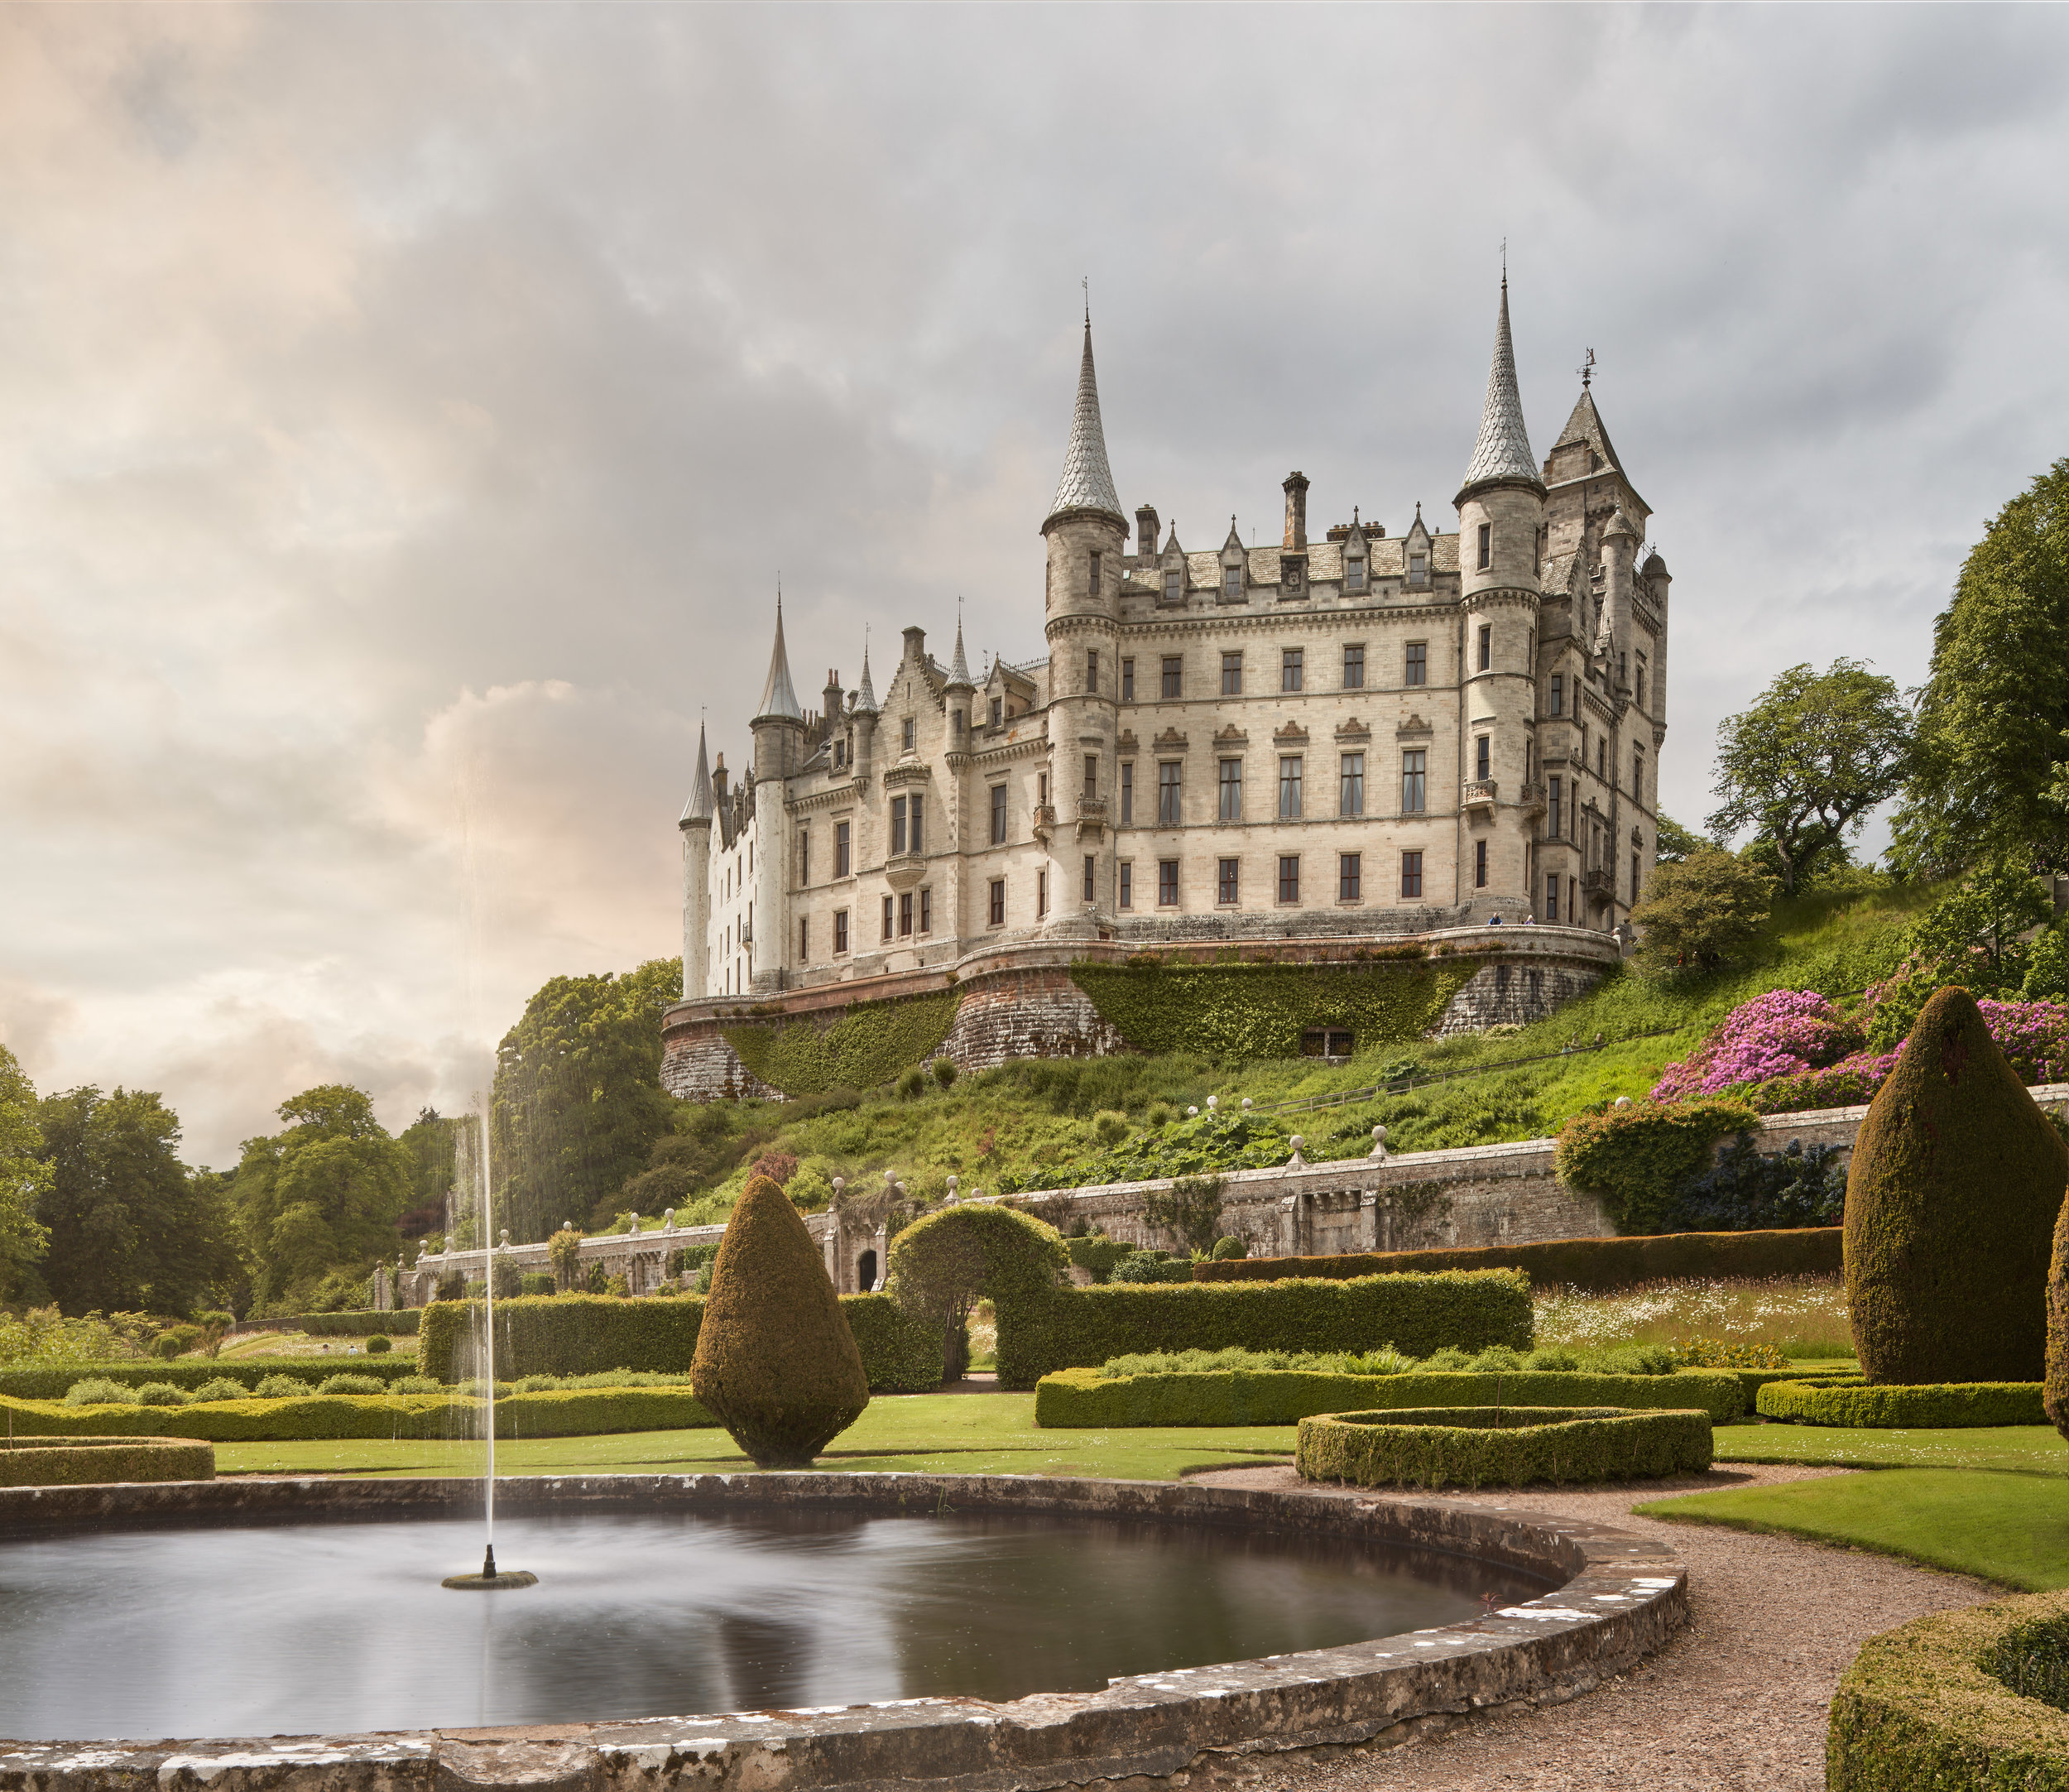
{"points": [[1618, 1597]]}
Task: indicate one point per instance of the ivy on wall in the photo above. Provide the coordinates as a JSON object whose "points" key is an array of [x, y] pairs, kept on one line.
{"points": [[1241, 1010], [859, 1048]]}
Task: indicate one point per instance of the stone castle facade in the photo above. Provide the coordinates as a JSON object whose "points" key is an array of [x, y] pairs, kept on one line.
{"points": [[1351, 734]]}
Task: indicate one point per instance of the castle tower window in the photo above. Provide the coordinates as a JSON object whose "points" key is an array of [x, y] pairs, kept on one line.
{"points": [[1289, 788], [1641, 681], [804, 941], [1414, 780], [804, 856], [1552, 896], [1092, 878], [1231, 790], [1173, 586], [919, 815], [898, 824], [840, 932], [1350, 794], [1127, 883], [907, 733], [1637, 773], [1097, 559], [998, 902], [1232, 674], [997, 706], [1289, 877], [1167, 883], [1634, 876], [1415, 663], [1128, 794], [842, 852], [1480, 864], [1487, 646], [1168, 793], [1354, 666], [1354, 573], [904, 916], [1419, 570], [1092, 774], [1127, 681], [926, 910], [1291, 661], [1041, 893], [1092, 671], [1556, 704], [1412, 875], [1172, 666], [1601, 758], [1350, 876], [1486, 546], [1482, 752], [1041, 788], [1232, 583], [1226, 884], [998, 815], [890, 917], [1558, 788]]}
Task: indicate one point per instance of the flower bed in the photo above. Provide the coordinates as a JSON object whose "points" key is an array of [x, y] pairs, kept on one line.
{"points": [[1948, 1406], [75, 1462], [1501, 1446]]}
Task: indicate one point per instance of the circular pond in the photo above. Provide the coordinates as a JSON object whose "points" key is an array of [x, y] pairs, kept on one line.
{"points": [[302, 1627]]}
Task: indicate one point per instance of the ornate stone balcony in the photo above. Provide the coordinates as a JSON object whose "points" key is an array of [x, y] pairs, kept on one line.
{"points": [[1045, 820], [1480, 793], [1091, 817], [903, 870], [1599, 881], [1531, 797]]}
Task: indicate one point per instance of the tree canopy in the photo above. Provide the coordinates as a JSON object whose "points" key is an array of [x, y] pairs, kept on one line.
{"points": [[1672, 843], [1708, 909], [1993, 718], [24, 1176], [1804, 765]]}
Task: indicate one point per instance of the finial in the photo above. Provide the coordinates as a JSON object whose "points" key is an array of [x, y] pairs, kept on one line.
{"points": [[1354, 515], [1087, 284], [1586, 370], [1504, 260]]}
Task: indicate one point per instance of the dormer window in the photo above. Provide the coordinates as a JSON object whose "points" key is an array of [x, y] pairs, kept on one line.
{"points": [[1354, 573], [1231, 581], [998, 704], [1173, 586], [1418, 568], [837, 760]]}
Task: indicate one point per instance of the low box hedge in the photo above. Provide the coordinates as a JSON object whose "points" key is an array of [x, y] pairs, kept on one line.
{"points": [[1946, 1406], [592, 1334], [1081, 1328], [76, 1462], [1499, 1446], [1932, 1705], [49, 1381], [555, 1412], [1595, 1265], [1085, 1400], [399, 1322]]}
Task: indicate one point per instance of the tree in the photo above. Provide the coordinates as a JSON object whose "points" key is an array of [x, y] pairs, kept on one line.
{"points": [[1993, 718], [323, 1196], [1672, 843], [430, 1146], [1710, 908], [131, 1228], [24, 1177], [1807, 762], [579, 1101]]}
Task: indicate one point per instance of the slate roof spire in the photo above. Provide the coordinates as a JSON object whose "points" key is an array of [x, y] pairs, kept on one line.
{"points": [[701, 804], [1087, 480], [777, 699], [959, 667], [864, 702], [1503, 451]]}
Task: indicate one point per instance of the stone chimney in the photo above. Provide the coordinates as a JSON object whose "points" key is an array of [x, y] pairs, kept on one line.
{"points": [[1147, 532], [1296, 512], [915, 644], [832, 695], [718, 781]]}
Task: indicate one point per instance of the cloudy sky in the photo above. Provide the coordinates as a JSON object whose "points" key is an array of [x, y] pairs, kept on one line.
{"points": [[405, 414]]}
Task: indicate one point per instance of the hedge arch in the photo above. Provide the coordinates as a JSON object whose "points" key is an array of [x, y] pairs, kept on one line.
{"points": [[942, 1266]]}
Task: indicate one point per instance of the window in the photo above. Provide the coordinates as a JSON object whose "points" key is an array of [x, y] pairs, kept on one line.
{"points": [[1168, 793], [1231, 790], [1350, 876], [1231, 675], [1350, 786], [919, 812], [1092, 774], [1480, 864], [1634, 876], [898, 824], [998, 815], [1418, 568], [1623, 669], [842, 851], [1601, 758], [1041, 789], [1224, 880], [1556, 706], [1128, 794], [1173, 586], [1167, 883], [926, 911], [1641, 681], [804, 855], [1572, 907], [1289, 667], [1415, 667], [1552, 819], [1551, 897], [890, 917], [1289, 877], [840, 932], [904, 916], [1171, 663], [1487, 646], [1232, 582], [804, 942], [1127, 883], [1354, 666], [1289, 788], [1486, 546], [1092, 670], [1041, 893], [998, 902], [997, 706], [1095, 570], [1411, 874], [1092, 878], [1637, 772], [1354, 573], [907, 733], [1482, 751], [1414, 781], [1127, 681]]}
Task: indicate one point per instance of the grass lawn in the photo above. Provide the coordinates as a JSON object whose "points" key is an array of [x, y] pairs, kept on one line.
{"points": [[2013, 1529], [2028, 1449], [946, 1433]]}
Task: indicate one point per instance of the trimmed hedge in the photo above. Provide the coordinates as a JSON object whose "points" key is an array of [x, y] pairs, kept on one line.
{"points": [[1595, 1265], [49, 1382], [556, 1412], [1924, 1707], [1947, 1406], [1487, 1446], [1055, 1328], [73, 1462], [592, 1334], [400, 1322], [1083, 1399], [1639, 1162]]}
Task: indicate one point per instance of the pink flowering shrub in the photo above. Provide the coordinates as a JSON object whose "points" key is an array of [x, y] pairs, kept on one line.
{"points": [[1852, 1082], [2033, 1034], [1781, 1034]]}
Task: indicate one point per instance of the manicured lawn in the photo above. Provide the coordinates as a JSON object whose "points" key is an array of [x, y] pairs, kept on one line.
{"points": [[949, 1433], [2009, 1528], [2029, 1449]]}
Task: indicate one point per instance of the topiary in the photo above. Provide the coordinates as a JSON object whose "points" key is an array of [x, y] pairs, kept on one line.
{"points": [[281, 1387], [775, 1361], [346, 1383], [942, 1266], [380, 1344], [161, 1394], [2054, 1391], [1951, 1199]]}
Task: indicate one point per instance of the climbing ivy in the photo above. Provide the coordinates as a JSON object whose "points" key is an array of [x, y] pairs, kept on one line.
{"points": [[859, 1048], [1248, 1011]]}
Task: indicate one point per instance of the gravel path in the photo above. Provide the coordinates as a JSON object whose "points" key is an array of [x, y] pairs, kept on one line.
{"points": [[1735, 1702]]}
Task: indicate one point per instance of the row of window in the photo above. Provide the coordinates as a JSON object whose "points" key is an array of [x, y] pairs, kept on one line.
{"points": [[1355, 577], [1228, 879], [1292, 670]]}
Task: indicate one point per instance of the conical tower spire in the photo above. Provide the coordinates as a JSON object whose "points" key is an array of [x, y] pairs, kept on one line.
{"points": [[1087, 481], [959, 667], [777, 699], [865, 697], [700, 806], [1503, 451]]}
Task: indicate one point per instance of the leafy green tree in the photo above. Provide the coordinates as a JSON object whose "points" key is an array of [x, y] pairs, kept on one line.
{"points": [[24, 1177], [131, 1228], [1673, 842], [1993, 719], [322, 1196], [1973, 938], [578, 1102], [1709, 909], [1807, 762], [430, 1143]]}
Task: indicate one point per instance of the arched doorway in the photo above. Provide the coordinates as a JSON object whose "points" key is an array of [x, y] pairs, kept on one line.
{"points": [[865, 1272]]}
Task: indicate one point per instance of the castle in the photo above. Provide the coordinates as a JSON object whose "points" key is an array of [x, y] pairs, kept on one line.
{"points": [[1335, 738]]}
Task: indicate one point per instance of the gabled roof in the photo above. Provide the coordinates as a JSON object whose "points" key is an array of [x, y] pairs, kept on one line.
{"points": [[1087, 481], [777, 697], [1585, 426], [701, 802], [1503, 450]]}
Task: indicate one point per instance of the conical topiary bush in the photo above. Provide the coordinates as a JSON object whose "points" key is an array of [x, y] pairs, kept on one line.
{"points": [[1956, 1178], [774, 1359], [2055, 1393]]}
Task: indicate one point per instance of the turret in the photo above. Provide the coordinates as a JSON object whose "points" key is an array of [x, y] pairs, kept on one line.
{"points": [[1501, 503], [959, 691], [779, 724], [1619, 553], [695, 825], [863, 713], [1086, 531]]}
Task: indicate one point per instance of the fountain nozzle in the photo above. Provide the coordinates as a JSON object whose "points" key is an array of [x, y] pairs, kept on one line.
{"points": [[488, 1562]]}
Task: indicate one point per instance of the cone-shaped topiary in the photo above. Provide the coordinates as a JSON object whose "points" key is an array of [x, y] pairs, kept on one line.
{"points": [[2055, 1393], [1951, 1203], [774, 1359]]}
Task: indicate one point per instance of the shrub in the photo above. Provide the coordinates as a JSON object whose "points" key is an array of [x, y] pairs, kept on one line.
{"points": [[912, 1085], [942, 1266], [563, 1251], [1748, 1189], [1728, 1353], [534, 1283], [97, 1390], [1640, 1160], [380, 1344], [1227, 1250], [2056, 1378], [280, 1388], [222, 1387], [1780, 1033], [1843, 1401], [40, 1462], [161, 1394], [51, 1381], [778, 1166], [1709, 908], [945, 1072], [775, 1360], [1151, 1266], [1956, 1180], [1481, 1446], [1097, 1255], [1956, 1699], [167, 1345], [351, 1384]]}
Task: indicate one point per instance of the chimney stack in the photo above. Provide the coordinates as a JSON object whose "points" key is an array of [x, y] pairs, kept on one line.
{"points": [[1297, 513], [1147, 532], [833, 698]]}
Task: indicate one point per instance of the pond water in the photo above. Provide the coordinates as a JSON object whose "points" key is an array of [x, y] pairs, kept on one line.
{"points": [[299, 1628]]}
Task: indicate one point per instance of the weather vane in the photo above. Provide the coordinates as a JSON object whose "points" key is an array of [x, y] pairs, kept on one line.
{"points": [[1586, 370]]}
